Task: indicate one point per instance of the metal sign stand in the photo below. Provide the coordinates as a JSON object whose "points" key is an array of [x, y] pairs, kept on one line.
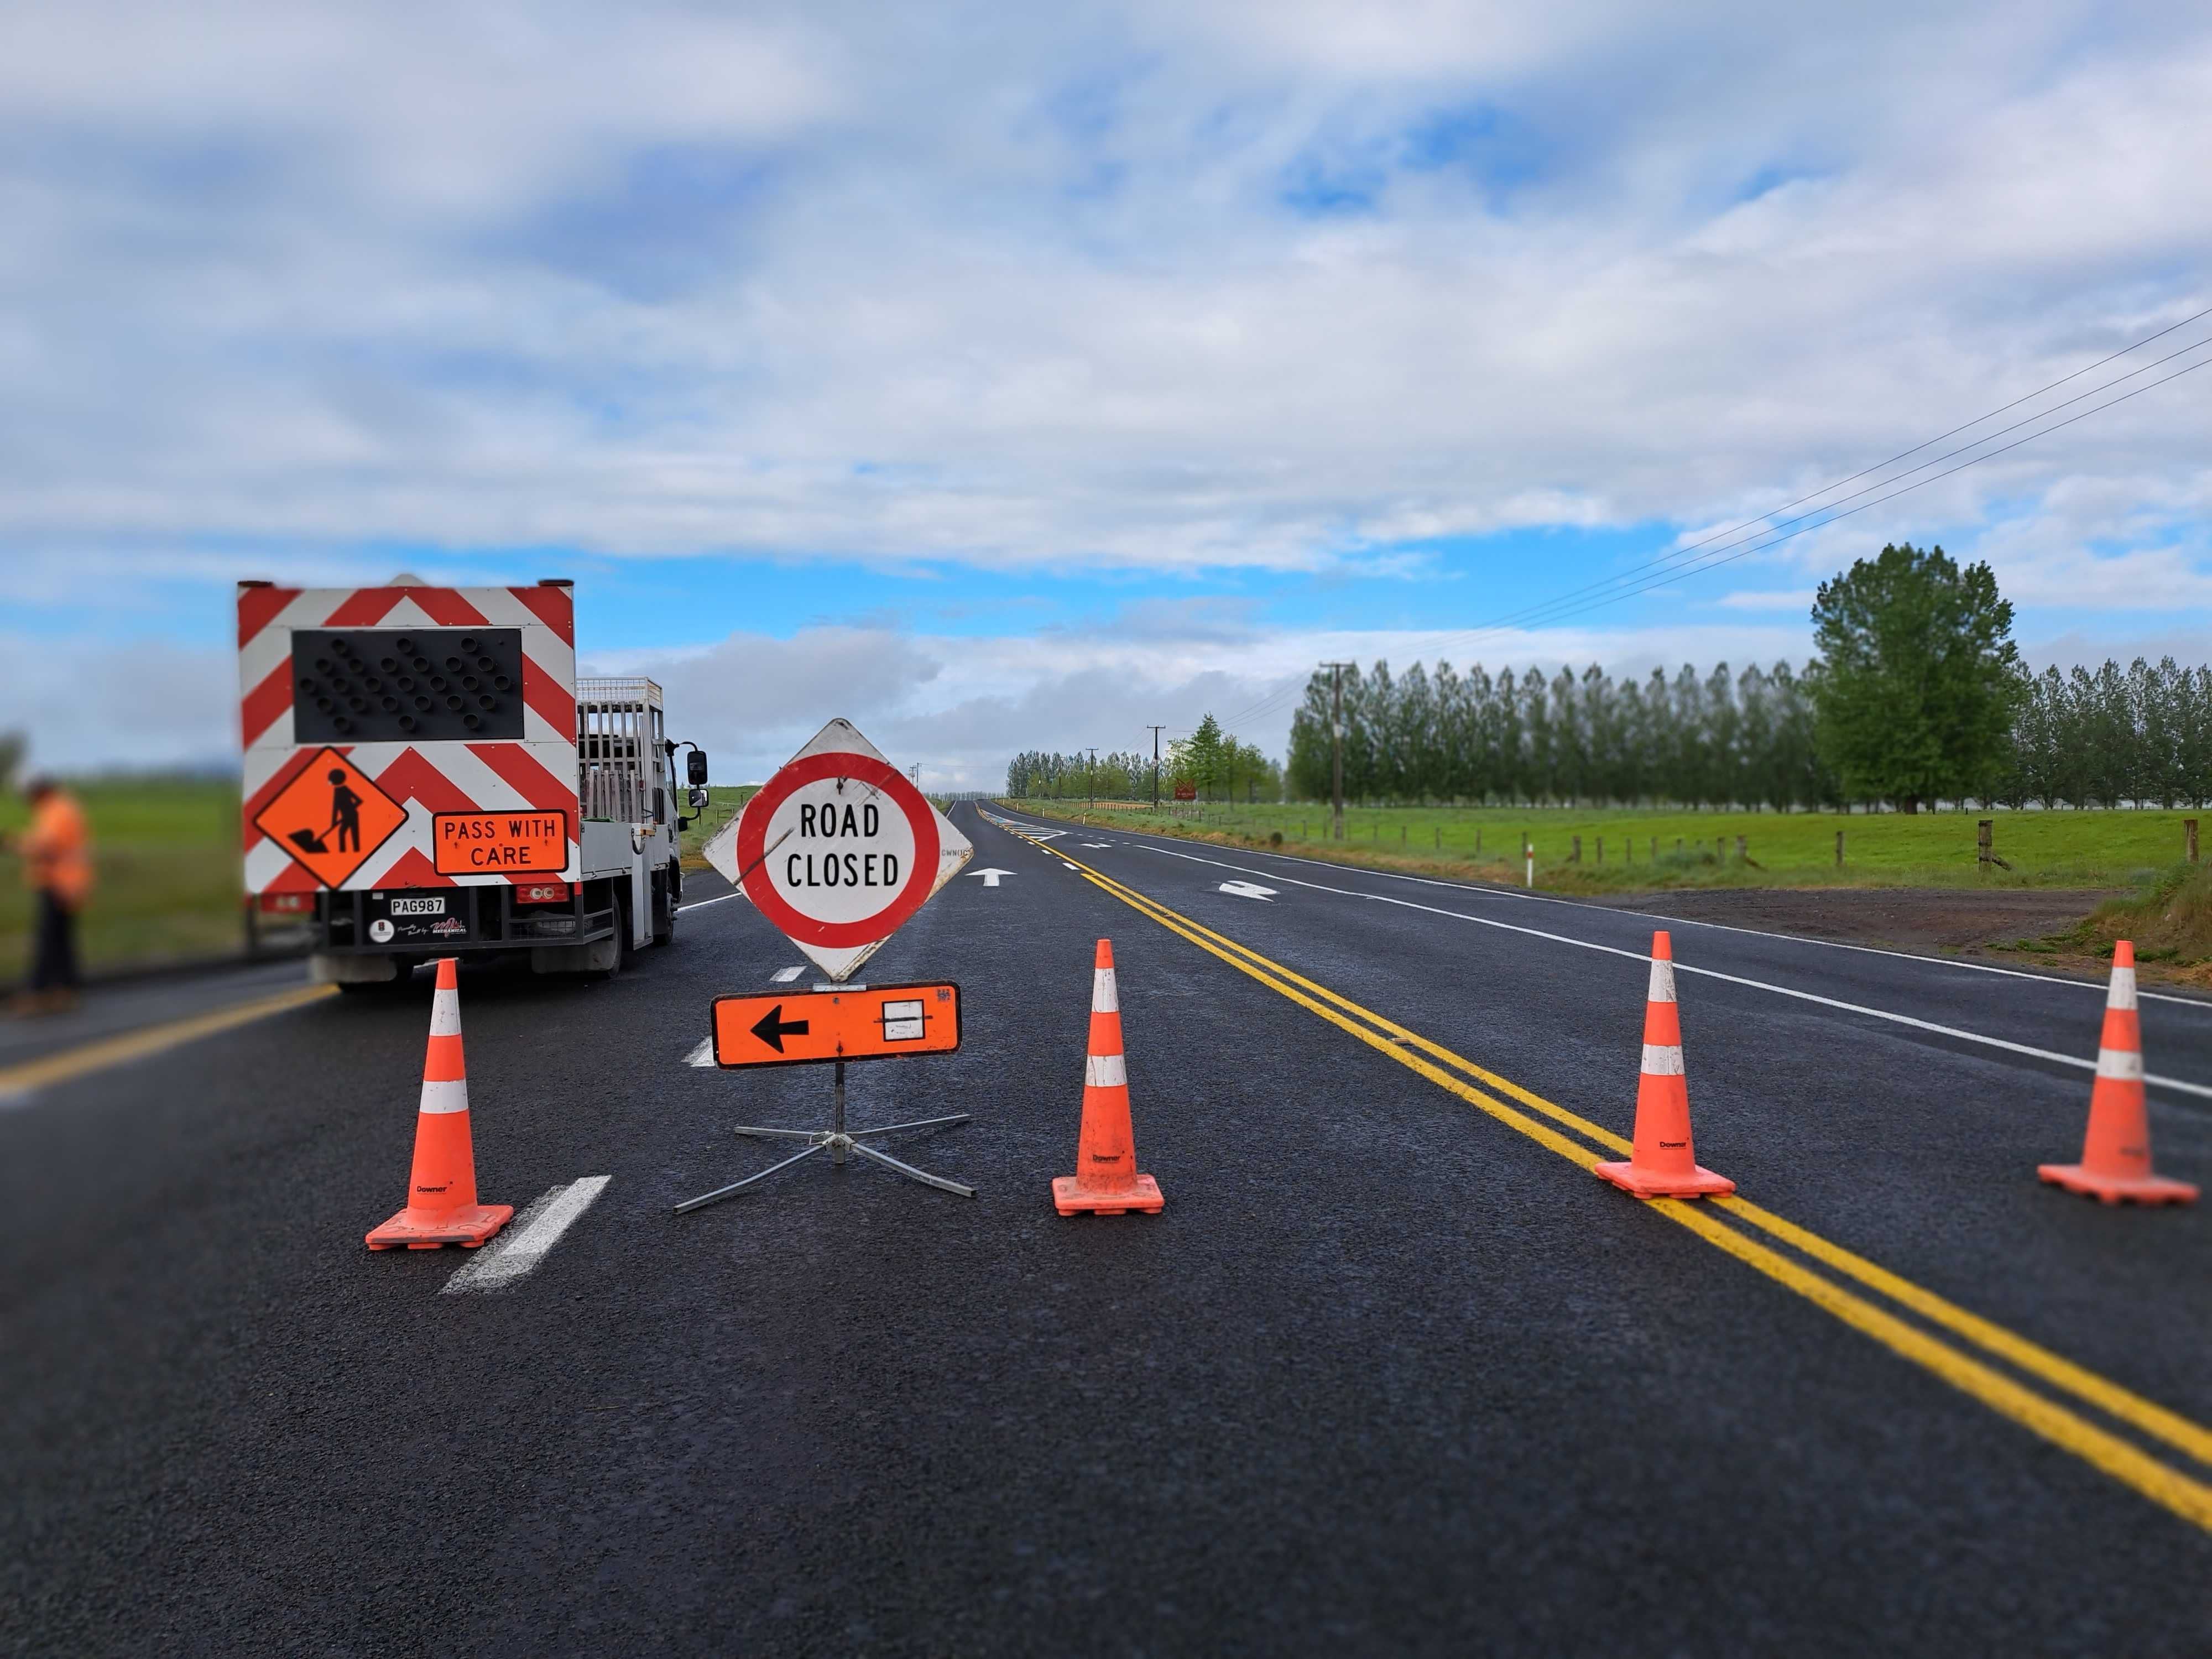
{"points": [[836, 1140]]}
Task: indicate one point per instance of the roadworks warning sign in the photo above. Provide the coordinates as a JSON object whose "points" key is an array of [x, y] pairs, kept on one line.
{"points": [[332, 817]]}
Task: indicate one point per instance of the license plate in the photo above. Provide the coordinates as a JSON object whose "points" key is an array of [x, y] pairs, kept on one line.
{"points": [[418, 907]]}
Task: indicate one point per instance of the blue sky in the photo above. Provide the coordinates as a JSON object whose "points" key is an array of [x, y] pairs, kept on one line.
{"points": [[1001, 380]]}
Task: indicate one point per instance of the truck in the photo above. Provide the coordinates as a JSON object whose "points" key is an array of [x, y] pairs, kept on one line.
{"points": [[425, 775]]}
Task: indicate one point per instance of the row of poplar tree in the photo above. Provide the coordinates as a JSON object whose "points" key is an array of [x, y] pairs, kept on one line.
{"points": [[1918, 696], [2113, 736], [1214, 764]]}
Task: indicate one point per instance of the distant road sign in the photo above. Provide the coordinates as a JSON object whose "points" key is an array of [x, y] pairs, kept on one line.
{"points": [[1186, 792], [839, 849], [870, 1021]]}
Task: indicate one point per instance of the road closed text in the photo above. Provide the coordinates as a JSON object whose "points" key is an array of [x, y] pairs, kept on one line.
{"points": [[494, 843], [836, 821]]}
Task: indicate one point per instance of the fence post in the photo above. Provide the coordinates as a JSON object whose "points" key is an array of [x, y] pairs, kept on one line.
{"points": [[1600, 849], [1984, 834], [1478, 843], [1743, 853], [2188, 837], [1720, 848], [1839, 849], [1529, 857], [1576, 857]]}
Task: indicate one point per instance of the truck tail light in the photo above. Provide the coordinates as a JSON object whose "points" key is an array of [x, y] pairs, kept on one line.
{"points": [[542, 892], [287, 905]]}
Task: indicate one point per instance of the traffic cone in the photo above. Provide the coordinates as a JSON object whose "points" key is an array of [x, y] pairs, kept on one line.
{"points": [[2116, 1152], [441, 1191], [1664, 1162], [1106, 1178]]}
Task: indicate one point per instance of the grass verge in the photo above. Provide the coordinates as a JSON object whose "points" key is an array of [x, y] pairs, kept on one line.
{"points": [[1631, 851]]}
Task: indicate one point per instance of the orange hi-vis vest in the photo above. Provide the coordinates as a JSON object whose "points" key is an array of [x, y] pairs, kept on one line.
{"points": [[58, 850]]}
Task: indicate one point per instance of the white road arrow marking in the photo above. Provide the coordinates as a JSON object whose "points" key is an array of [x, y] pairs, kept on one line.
{"points": [[703, 1055], [1248, 889], [785, 975], [990, 877]]}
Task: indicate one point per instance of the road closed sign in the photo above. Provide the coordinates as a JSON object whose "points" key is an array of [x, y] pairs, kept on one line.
{"points": [[839, 849]]}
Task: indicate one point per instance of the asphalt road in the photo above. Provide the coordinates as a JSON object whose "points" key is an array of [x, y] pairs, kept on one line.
{"points": [[1390, 1374]]}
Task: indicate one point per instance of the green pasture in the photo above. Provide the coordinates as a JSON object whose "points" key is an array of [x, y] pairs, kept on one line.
{"points": [[723, 801], [165, 850], [1629, 849]]}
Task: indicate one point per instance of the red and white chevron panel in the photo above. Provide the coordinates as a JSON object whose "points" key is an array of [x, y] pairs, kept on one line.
{"points": [[539, 770]]}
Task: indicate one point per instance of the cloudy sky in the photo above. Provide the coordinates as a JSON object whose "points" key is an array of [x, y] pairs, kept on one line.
{"points": [[1010, 376]]}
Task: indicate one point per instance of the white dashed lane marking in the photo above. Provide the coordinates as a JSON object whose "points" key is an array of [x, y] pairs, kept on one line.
{"points": [[525, 1242], [785, 975]]}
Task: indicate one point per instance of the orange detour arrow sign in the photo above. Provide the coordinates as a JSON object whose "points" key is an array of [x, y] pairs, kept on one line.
{"points": [[872, 1022]]}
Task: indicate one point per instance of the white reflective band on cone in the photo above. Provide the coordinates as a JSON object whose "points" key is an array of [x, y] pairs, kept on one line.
{"points": [[2125, 1065], [1105, 998], [450, 1095], [1663, 1061], [1105, 1071], [445, 1014], [1662, 981], [2123, 992]]}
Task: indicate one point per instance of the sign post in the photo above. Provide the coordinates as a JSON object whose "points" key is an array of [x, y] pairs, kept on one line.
{"points": [[839, 850]]}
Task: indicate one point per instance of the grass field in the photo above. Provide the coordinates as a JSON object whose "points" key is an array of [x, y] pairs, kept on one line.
{"points": [[1630, 849], [166, 853], [722, 805]]}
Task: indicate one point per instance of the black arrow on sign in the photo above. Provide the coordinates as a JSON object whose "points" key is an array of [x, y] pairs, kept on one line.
{"points": [[773, 1027]]}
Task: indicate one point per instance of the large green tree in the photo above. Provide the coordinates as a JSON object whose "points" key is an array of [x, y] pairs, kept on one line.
{"points": [[1918, 676]]}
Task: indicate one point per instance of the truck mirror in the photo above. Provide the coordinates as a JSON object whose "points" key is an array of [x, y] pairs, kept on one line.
{"points": [[698, 798], [695, 768]]}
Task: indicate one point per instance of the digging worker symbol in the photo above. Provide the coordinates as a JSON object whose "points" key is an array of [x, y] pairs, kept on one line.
{"points": [[345, 811]]}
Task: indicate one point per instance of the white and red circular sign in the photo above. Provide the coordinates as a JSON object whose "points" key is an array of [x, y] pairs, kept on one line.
{"points": [[838, 849]]}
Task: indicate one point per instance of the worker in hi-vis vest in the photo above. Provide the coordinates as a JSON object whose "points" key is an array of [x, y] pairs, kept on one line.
{"points": [[56, 853]]}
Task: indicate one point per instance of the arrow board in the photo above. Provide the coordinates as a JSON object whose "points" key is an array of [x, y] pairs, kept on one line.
{"points": [[839, 849], [865, 1022]]}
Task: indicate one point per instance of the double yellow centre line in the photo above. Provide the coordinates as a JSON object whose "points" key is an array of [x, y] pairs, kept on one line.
{"points": [[2185, 1493]]}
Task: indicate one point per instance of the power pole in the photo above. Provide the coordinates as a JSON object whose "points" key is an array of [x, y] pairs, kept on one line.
{"points": [[1336, 746], [1094, 781], [1156, 768]]}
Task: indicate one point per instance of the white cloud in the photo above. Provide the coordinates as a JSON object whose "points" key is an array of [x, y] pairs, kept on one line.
{"points": [[660, 280]]}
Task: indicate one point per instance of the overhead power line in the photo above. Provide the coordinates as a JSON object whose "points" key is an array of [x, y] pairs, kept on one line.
{"points": [[1696, 557]]}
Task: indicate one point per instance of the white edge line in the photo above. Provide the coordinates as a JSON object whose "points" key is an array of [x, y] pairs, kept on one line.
{"points": [[2177, 1084], [703, 903], [1151, 845], [524, 1242]]}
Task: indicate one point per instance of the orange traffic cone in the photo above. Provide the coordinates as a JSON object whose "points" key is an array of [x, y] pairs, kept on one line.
{"points": [[1106, 1178], [441, 1191], [2116, 1152], [1664, 1162]]}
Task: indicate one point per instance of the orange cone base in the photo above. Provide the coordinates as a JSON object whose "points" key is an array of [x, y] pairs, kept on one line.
{"points": [[1700, 1182], [426, 1229], [1071, 1197], [2118, 1189]]}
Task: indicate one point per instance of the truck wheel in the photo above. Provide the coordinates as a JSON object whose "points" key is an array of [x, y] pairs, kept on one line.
{"points": [[623, 935], [664, 912]]}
